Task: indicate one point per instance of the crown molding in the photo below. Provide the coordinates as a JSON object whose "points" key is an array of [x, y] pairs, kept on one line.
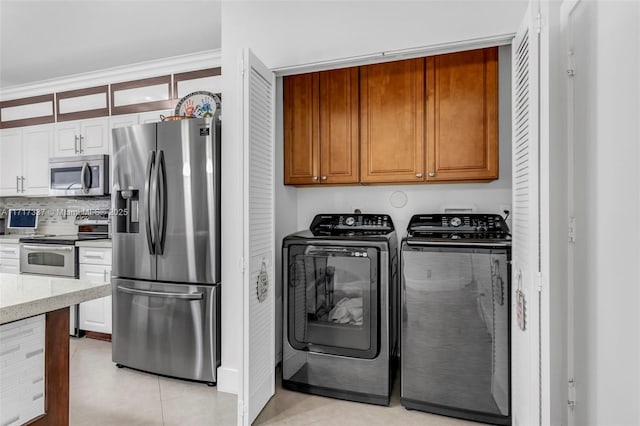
{"points": [[171, 65]]}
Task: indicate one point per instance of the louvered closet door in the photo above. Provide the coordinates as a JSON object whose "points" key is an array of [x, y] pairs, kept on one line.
{"points": [[259, 243], [526, 246]]}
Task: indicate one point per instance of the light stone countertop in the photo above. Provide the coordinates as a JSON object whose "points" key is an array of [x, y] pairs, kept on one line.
{"points": [[94, 243], [10, 238], [23, 296]]}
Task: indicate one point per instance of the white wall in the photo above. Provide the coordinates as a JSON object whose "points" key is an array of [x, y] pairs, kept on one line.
{"points": [[607, 206], [289, 33], [284, 33]]}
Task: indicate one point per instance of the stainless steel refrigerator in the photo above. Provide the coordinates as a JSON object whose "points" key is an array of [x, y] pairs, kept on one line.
{"points": [[166, 248]]}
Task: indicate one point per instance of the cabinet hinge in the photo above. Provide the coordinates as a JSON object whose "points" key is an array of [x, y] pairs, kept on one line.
{"points": [[570, 69], [243, 265], [571, 394], [242, 67], [538, 23], [572, 229], [539, 281]]}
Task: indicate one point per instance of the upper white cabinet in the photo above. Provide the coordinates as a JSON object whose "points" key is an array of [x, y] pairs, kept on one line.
{"points": [[83, 137], [24, 160]]}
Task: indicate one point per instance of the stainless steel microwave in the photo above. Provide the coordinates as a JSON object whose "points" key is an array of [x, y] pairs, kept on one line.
{"points": [[86, 175]]}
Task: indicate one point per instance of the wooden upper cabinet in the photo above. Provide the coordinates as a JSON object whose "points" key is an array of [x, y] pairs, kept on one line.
{"points": [[392, 121], [321, 127], [339, 130], [301, 129], [462, 116]]}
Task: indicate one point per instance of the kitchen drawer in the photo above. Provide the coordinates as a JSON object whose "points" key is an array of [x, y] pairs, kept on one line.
{"points": [[9, 266], [9, 251], [95, 256]]}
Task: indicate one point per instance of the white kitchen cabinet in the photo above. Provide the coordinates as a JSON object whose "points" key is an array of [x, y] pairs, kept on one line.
{"points": [[82, 137], [24, 160], [95, 265], [10, 258], [154, 116]]}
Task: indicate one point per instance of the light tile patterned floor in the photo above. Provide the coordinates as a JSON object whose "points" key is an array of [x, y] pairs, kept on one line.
{"points": [[102, 394]]}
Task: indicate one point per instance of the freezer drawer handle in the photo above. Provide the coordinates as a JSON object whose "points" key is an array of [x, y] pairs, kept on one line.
{"points": [[189, 296]]}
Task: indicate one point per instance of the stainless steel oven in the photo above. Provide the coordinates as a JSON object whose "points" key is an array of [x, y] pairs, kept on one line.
{"points": [[79, 176], [49, 259]]}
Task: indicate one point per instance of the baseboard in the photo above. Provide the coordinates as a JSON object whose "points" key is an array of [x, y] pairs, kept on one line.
{"points": [[98, 336], [228, 380]]}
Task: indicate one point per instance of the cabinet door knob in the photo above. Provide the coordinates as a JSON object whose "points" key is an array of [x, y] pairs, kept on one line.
{"points": [[432, 174], [418, 175], [314, 177], [323, 178]]}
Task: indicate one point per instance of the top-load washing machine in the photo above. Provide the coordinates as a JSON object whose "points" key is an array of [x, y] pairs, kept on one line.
{"points": [[339, 304], [455, 327]]}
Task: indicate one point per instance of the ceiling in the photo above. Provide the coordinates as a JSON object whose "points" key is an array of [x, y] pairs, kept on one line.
{"points": [[46, 39]]}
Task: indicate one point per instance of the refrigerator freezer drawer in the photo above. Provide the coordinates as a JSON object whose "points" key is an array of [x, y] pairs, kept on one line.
{"points": [[169, 329]]}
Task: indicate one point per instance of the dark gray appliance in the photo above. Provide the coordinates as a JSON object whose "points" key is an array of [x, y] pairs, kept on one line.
{"points": [[455, 327], [166, 248], [339, 306]]}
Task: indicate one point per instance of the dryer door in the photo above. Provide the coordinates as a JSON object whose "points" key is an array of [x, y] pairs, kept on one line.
{"points": [[333, 299]]}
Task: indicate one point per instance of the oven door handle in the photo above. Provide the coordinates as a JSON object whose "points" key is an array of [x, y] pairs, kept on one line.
{"points": [[47, 248], [188, 296], [147, 201]]}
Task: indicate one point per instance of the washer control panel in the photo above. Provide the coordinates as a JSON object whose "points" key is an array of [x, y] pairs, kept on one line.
{"points": [[351, 224], [458, 226]]}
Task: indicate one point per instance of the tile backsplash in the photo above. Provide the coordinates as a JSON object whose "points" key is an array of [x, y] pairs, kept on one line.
{"points": [[56, 214]]}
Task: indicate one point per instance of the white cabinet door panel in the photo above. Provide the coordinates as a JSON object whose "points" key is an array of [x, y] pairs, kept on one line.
{"points": [[94, 137], [67, 139], [36, 144], [95, 315], [10, 161]]}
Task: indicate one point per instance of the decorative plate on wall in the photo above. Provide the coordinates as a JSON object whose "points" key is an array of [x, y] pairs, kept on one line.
{"points": [[198, 104]]}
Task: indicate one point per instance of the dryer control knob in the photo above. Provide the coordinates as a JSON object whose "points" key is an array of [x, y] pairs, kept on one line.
{"points": [[455, 222], [349, 221]]}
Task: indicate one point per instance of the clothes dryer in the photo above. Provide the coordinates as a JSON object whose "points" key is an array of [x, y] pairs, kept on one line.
{"points": [[339, 304]]}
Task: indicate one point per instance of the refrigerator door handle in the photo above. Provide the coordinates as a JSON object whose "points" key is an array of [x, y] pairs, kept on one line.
{"points": [[161, 185], [188, 296], [147, 199]]}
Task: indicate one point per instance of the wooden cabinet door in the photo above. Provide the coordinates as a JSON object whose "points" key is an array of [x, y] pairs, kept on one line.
{"points": [[36, 143], [392, 121], [462, 116], [339, 144], [301, 129]]}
